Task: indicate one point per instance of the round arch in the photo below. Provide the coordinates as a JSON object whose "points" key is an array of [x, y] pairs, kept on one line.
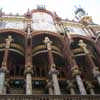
{"points": [[86, 39], [49, 33], [13, 31]]}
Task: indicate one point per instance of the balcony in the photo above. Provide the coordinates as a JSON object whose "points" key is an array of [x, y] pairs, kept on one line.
{"points": [[49, 97]]}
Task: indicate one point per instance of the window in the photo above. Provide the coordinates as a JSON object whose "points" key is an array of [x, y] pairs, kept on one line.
{"points": [[76, 30], [43, 21]]}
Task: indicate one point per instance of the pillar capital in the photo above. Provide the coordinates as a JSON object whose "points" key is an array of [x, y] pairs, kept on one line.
{"points": [[28, 69], [75, 71], [53, 70], [83, 46], [4, 69]]}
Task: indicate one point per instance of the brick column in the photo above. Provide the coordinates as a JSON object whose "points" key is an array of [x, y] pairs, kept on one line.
{"points": [[3, 69], [53, 72], [95, 69], [70, 58], [28, 60], [74, 67]]}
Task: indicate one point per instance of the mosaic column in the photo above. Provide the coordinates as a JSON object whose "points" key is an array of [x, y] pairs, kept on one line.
{"points": [[76, 74], [2, 80], [53, 72], [71, 87], [28, 59], [3, 69], [50, 87], [96, 74], [28, 73], [95, 69], [90, 88]]}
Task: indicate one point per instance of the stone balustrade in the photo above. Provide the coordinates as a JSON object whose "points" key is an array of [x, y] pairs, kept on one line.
{"points": [[49, 97]]}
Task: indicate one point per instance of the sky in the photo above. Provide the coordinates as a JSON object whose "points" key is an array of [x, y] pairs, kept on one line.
{"points": [[63, 8]]}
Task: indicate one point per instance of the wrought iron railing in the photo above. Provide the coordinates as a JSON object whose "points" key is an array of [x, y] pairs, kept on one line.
{"points": [[49, 97]]}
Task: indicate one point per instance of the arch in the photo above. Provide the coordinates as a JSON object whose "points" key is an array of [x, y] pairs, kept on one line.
{"points": [[83, 37], [87, 39], [13, 31], [14, 50], [54, 37], [18, 35], [48, 33], [45, 51]]}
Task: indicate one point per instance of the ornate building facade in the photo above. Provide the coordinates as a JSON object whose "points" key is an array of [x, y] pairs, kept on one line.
{"points": [[45, 57]]}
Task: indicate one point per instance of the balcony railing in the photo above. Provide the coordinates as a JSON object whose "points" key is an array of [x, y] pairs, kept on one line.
{"points": [[49, 97]]}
